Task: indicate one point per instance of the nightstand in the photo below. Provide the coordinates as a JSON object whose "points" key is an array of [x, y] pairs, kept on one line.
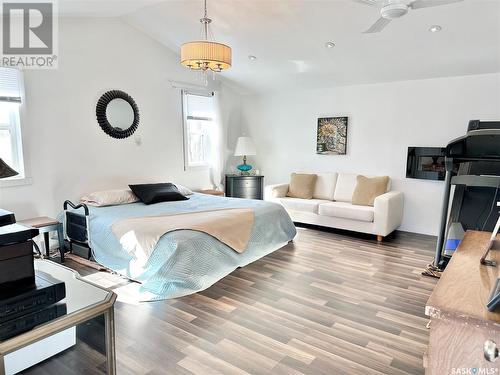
{"points": [[249, 187]]}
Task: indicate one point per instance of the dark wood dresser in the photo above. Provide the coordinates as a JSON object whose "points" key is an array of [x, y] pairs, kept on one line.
{"points": [[249, 187], [463, 333]]}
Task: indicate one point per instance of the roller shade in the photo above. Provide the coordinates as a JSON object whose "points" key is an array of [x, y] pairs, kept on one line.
{"points": [[10, 85], [199, 106]]}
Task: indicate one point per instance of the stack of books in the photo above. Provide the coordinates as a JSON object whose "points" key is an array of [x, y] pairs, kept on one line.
{"points": [[27, 299]]}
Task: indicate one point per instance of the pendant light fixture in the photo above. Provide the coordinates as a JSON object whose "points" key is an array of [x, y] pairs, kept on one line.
{"points": [[206, 55]]}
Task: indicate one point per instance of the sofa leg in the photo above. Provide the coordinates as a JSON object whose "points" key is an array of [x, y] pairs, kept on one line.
{"points": [[380, 238]]}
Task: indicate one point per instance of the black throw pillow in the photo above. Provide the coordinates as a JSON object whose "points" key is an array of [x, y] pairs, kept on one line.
{"points": [[156, 193]]}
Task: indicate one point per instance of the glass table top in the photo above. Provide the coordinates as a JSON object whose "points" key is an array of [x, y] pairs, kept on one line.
{"points": [[80, 294]]}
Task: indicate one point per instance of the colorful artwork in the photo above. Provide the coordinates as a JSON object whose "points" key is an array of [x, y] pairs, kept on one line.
{"points": [[332, 136]]}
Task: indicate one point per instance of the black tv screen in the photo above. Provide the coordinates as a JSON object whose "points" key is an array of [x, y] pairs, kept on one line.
{"points": [[426, 163]]}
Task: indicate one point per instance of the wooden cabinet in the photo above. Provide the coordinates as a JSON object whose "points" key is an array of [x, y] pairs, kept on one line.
{"points": [[460, 322], [249, 187]]}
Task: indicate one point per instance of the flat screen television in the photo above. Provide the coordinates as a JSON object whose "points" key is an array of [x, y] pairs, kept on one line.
{"points": [[426, 163]]}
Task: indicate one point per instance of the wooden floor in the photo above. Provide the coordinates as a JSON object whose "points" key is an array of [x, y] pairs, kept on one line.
{"points": [[328, 303]]}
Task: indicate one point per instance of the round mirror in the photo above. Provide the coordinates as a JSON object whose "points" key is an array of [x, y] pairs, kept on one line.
{"points": [[120, 114], [117, 114]]}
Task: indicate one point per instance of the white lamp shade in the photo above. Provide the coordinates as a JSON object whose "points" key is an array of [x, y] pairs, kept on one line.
{"points": [[245, 146]]}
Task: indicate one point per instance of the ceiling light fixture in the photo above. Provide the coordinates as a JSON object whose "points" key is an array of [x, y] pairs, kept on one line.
{"points": [[329, 44], [252, 57], [435, 28], [206, 55]]}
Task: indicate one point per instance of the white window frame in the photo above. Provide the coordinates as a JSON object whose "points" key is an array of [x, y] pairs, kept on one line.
{"points": [[16, 100], [187, 165], [14, 127]]}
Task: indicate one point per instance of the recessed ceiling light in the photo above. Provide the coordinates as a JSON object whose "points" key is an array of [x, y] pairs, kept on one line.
{"points": [[435, 28], [252, 57], [329, 44]]}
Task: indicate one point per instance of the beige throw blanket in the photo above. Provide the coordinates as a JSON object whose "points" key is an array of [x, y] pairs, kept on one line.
{"points": [[140, 235]]}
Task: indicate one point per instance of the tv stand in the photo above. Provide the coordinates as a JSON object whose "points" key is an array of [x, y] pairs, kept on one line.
{"points": [[461, 326]]}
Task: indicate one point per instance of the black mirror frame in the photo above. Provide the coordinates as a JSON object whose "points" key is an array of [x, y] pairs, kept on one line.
{"points": [[100, 112]]}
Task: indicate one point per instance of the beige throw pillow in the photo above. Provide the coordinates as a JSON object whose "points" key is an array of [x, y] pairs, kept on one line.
{"points": [[301, 185], [367, 189], [109, 198]]}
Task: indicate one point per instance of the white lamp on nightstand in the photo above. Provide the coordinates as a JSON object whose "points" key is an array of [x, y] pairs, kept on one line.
{"points": [[244, 147]]}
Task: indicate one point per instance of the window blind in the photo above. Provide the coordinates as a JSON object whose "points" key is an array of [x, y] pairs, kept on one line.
{"points": [[10, 85], [199, 107]]}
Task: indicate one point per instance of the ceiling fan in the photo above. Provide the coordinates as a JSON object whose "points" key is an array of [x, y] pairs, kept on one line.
{"points": [[391, 9]]}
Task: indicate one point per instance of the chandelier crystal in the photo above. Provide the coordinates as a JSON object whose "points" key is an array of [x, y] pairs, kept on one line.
{"points": [[206, 55]]}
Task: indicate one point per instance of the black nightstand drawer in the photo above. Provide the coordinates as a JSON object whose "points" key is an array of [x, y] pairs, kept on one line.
{"points": [[245, 183], [246, 192], [248, 187]]}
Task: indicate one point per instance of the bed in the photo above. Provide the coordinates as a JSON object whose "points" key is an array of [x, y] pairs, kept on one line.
{"points": [[183, 261]]}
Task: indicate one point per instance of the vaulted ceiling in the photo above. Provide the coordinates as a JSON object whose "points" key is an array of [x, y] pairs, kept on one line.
{"points": [[288, 38]]}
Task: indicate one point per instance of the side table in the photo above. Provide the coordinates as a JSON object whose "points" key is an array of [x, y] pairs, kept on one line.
{"points": [[46, 225]]}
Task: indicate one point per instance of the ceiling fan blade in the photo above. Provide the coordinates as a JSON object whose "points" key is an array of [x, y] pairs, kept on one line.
{"points": [[378, 26], [419, 4], [374, 3]]}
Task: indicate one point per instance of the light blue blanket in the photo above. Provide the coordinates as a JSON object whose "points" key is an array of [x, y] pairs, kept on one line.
{"points": [[186, 261]]}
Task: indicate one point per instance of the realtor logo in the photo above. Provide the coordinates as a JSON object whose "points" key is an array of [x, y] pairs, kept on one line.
{"points": [[29, 34]]}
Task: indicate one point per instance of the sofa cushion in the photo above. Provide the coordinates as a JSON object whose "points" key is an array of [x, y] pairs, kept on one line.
{"points": [[303, 205], [301, 185], [347, 210], [367, 189], [346, 183], [325, 185]]}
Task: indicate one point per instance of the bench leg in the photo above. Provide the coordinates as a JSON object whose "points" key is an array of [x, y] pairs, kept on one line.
{"points": [[60, 237], [47, 244], [380, 238]]}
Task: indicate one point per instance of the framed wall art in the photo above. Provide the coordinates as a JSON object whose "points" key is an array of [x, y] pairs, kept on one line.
{"points": [[332, 136]]}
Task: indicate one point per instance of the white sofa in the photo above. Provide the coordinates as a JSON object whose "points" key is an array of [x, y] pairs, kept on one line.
{"points": [[331, 206]]}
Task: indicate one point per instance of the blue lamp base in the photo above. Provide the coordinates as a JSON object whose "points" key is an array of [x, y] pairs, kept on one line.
{"points": [[244, 168]]}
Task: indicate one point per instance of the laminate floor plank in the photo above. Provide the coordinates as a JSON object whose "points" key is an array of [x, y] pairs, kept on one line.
{"points": [[327, 303]]}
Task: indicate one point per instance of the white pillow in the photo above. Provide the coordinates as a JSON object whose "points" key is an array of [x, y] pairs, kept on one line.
{"points": [[183, 190], [346, 183], [109, 198]]}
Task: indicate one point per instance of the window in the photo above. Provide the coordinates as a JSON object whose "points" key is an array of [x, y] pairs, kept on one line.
{"points": [[10, 130], [199, 130]]}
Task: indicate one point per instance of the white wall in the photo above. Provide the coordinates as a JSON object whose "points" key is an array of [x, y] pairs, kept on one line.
{"points": [[384, 119], [67, 153]]}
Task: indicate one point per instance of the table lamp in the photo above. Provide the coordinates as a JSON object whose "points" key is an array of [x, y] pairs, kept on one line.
{"points": [[244, 147]]}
